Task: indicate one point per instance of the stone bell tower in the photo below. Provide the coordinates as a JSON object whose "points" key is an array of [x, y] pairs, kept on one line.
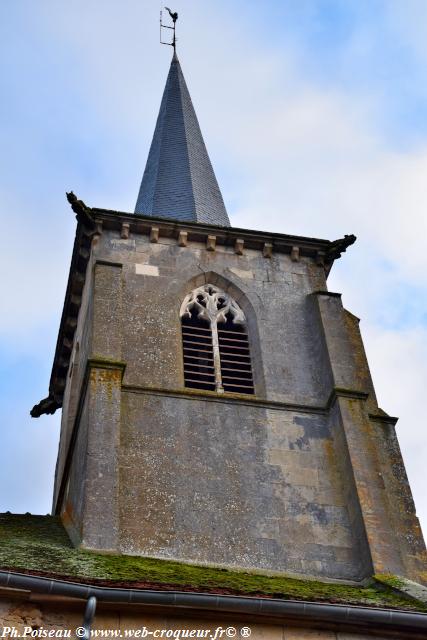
{"points": [[217, 405]]}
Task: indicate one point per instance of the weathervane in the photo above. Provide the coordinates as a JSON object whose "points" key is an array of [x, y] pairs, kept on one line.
{"points": [[174, 17]]}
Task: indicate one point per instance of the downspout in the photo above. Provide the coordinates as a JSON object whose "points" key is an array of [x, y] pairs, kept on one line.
{"points": [[89, 617]]}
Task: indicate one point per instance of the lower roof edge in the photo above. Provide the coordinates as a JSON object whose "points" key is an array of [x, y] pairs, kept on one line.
{"points": [[269, 608]]}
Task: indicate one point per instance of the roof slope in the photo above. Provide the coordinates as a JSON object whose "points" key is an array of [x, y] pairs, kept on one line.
{"points": [[39, 545], [179, 181]]}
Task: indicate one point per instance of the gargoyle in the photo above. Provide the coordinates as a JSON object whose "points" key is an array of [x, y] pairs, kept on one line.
{"points": [[337, 247], [47, 405], [82, 211]]}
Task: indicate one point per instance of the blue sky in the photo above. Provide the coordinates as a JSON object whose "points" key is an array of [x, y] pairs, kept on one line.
{"points": [[315, 117]]}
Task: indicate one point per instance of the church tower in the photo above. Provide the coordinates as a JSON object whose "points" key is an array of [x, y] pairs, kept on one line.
{"points": [[217, 405]]}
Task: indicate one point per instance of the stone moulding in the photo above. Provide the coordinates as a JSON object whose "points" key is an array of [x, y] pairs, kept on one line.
{"points": [[250, 400], [233, 398], [92, 221]]}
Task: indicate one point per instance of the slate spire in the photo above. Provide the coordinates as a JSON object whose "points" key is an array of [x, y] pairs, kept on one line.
{"points": [[179, 181]]}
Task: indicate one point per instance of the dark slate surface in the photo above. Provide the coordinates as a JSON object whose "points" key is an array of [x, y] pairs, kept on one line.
{"points": [[179, 181]]}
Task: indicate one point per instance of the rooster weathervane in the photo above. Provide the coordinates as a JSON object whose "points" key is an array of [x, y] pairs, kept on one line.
{"points": [[174, 17]]}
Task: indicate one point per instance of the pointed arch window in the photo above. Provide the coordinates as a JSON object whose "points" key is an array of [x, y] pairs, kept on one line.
{"points": [[215, 342]]}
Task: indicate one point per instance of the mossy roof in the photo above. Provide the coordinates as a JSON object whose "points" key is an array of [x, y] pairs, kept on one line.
{"points": [[39, 545]]}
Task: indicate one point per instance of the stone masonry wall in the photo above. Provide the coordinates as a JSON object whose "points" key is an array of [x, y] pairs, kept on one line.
{"points": [[273, 481], [232, 484]]}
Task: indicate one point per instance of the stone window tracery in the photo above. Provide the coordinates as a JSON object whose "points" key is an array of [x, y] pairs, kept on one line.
{"points": [[215, 342]]}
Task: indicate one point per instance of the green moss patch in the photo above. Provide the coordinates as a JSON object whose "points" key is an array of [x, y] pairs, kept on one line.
{"points": [[40, 545], [390, 580]]}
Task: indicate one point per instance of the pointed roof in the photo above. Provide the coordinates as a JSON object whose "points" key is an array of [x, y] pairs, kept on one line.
{"points": [[179, 181]]}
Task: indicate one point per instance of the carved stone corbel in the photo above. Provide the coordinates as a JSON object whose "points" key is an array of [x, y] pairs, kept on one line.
{"points": [[211, 243], [154, 234], [267, 250], [98, 227], [238, 246], [320, 258], [182, 238], [295, 254]]}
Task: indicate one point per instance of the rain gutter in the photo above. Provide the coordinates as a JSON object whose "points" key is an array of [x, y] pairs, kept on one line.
{"points": [[360, 617]]}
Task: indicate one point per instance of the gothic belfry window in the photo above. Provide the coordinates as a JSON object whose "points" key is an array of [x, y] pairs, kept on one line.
{"points": [[215, 342]]}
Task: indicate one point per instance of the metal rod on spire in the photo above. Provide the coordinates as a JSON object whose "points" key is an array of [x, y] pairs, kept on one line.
{"points": [[174, 16]]}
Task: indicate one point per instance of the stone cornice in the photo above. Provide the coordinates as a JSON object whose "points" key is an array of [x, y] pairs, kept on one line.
{"points": [[323, 251], [91, 222], [86, 229]]}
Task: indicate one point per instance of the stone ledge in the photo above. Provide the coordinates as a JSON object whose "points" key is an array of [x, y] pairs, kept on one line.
{"points": [[330, 294], [233, 398], [108, 263], [249, 400], [341, 392], [384, 419], [402, 585], [98, 362]]}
